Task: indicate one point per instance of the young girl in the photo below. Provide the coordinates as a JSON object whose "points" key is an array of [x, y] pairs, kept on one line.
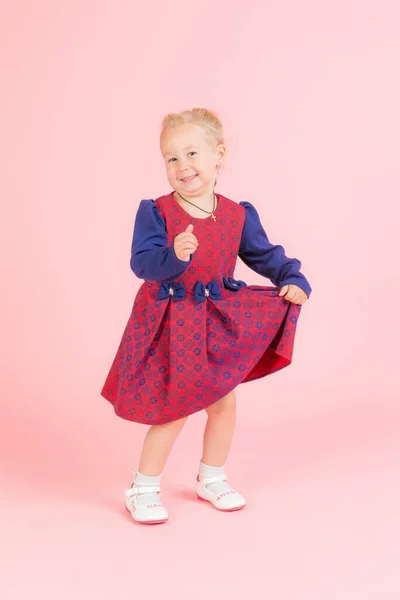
{"points": [[195, 332]]}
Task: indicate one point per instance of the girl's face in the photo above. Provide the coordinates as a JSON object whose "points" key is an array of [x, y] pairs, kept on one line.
{"points": [[191, 159]]}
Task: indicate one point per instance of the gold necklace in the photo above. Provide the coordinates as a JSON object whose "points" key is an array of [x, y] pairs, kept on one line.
{"points": [[206, 211]]}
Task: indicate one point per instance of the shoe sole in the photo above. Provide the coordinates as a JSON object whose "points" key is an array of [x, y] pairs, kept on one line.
{"points": [[146, 522], [218, 508]]}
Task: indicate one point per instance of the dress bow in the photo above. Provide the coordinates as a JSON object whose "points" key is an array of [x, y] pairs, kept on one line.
{"points": [[170, 288], [211, 290], [233, 284]]}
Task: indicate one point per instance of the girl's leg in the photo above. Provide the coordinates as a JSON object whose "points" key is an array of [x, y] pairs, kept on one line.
{"points": [[157, 446], [145, 506], [218, 436], [219, 430]]}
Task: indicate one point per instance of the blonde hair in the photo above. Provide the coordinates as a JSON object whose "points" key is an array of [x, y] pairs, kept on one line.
{"points": [[198, 116]]}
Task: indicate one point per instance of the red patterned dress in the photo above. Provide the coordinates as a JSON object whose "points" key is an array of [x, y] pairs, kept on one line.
{"points": [[195, 332]]}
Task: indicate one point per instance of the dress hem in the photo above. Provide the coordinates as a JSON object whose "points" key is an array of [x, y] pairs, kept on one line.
{"points": [[141, 422]]}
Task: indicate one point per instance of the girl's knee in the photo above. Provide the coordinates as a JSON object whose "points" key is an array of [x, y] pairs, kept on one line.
{"points": [[223, 405]]}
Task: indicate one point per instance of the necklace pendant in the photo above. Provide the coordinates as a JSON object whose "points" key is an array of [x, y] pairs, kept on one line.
{"points": [[213, 217]]}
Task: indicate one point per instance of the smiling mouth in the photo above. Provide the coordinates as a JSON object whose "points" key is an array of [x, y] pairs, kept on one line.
{"points": [[189, 178]]}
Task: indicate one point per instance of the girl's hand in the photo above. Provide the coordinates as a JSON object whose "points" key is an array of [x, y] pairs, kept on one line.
{"points": [[185, 243], [293, 293]]}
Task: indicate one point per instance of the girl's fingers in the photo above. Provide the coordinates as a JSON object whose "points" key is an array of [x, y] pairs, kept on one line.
{"points": [[187, 237], [188, 246]]}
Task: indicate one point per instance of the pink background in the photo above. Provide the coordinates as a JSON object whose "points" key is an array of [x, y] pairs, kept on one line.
{"points": [[309, 96]]}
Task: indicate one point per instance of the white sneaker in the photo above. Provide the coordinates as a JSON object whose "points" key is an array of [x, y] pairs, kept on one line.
{"points": [[145, 513], [229, 500]]}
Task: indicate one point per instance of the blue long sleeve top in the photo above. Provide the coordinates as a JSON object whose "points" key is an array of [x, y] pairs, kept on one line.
{"points": [[265, 258], [152, 259]]}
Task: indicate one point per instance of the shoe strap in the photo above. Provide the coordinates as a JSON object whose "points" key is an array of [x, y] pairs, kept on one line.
{"points": [[215, 479], [143, 489]]}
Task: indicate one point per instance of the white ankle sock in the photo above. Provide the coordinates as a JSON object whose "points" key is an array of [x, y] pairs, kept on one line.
{"points": [[208, 471], [146, 481]]}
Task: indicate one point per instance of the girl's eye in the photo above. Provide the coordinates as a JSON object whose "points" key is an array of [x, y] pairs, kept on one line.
{"points": [[191, 152]]}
